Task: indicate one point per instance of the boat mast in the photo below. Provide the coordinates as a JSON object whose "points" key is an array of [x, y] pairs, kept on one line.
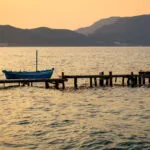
{"points": [[36, 60]]}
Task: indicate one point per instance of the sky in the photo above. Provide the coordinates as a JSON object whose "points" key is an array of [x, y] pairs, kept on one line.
{"points": [[66, 14]]}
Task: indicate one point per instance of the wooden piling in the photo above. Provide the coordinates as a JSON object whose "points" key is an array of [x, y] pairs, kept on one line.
{"points": [[110, 78], [132, 80], [135, 80], [46, 85], [139, 79], [75, 83], [57, 85], [122, 81], [95, 81], [101, 81], [128, 81], [62, 74], [107, 81], [143, 80], [91, 84], [63, 85]]}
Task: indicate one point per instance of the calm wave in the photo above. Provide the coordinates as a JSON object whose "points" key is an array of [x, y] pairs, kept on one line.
{"points": [[89, 118]]}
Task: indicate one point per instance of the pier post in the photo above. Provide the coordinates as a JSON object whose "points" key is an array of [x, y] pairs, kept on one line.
{"points": [[122, 81], [128, 81], [107, 81], [101, 81], [91, 82], [135, 80], [57, 85], [110, 76], [143, 79], [75, 83], [132, 79], [95, 81], [46, 85], [140, 80], [62, 74], [63, 83]]}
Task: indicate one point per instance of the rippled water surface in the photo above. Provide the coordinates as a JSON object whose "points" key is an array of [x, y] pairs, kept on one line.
{"points": [[106, 118]]}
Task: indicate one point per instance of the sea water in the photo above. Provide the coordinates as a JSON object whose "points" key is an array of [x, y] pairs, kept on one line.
{"points": [[101, 118]]}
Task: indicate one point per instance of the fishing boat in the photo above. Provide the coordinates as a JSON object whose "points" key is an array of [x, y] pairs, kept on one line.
{"points": [[43, 74]]}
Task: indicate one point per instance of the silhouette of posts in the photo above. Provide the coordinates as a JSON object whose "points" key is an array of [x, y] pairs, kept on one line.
{"points": [[95, 81], [143, 79], [107, 78], [91, 82], [75, 83], [123, 81], [63, 83], [128, 81], [46, 85], [139, 78], [110, 78], [135, 81], [57, 85], [101, 81], [132, 80]]}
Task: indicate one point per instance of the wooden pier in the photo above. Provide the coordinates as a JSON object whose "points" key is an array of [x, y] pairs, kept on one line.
{"points": [[130, 80], [29, 82], [101, 80]]}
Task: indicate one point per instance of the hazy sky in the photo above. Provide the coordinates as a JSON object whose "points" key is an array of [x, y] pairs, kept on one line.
{"points": [[71, 14]]}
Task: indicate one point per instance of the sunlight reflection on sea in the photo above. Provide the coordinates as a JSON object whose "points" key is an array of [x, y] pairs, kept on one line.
{"points": [[88, 118]]}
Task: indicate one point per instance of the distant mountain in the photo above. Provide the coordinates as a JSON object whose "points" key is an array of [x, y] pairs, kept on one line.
{"points": [[114, 31], [40, 37], [97, 25], [125, 31]]}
